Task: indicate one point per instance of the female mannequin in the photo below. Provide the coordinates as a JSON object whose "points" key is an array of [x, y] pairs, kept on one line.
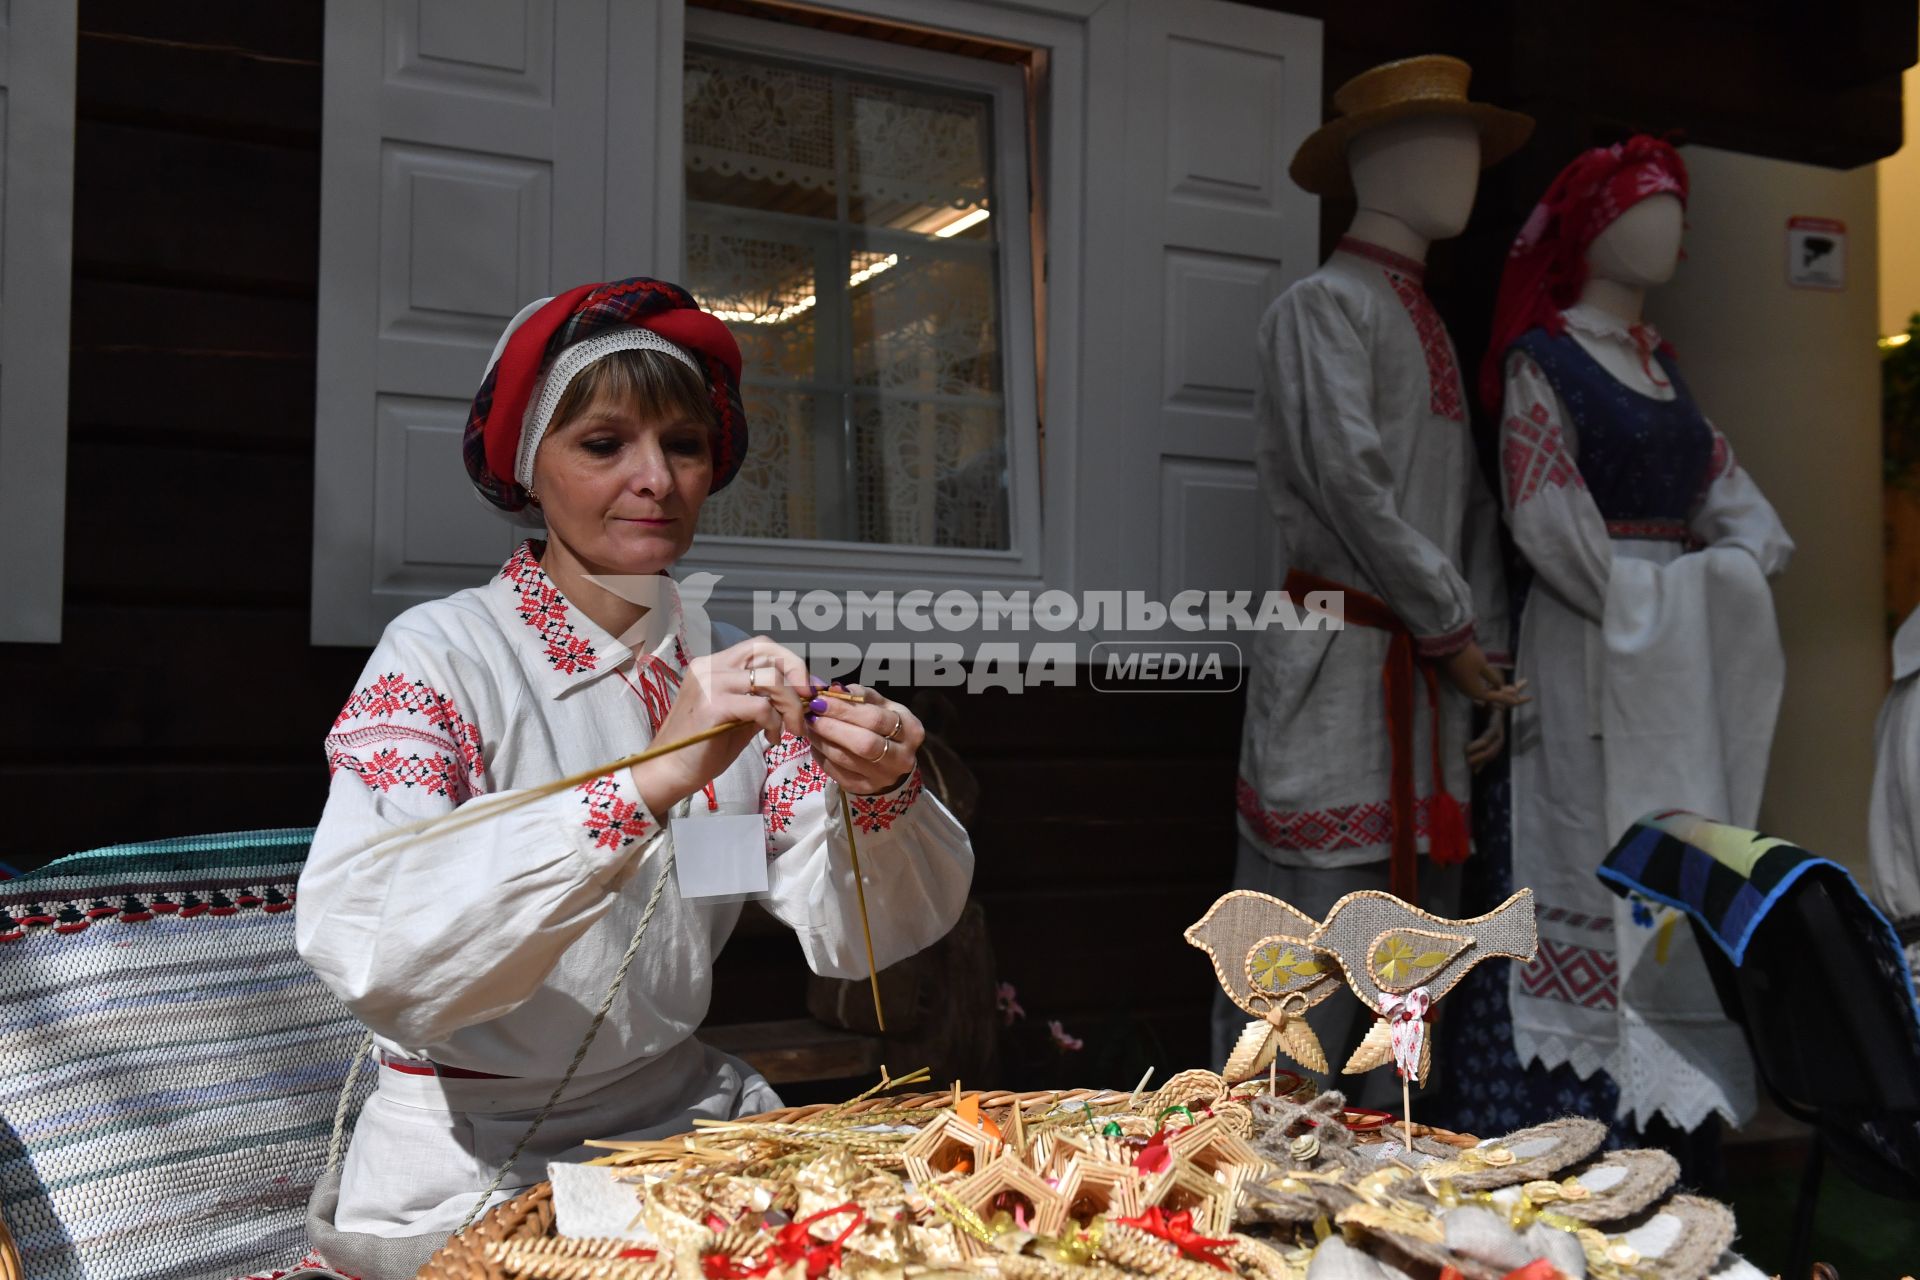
{"points": [[1649, 547]]}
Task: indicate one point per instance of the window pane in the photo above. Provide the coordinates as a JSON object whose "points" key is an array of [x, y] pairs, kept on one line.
{"points": [[870, 328], [925, 323], [759, 135], [773, 495], [931, 473], [916, 159], [763, 287]]}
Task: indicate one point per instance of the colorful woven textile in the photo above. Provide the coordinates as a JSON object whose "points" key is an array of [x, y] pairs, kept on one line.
{"points": [[1728, 878], [171, 1064]]}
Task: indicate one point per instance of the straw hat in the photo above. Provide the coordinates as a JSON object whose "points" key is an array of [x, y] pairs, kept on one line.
{"points": [[1431, 85]]}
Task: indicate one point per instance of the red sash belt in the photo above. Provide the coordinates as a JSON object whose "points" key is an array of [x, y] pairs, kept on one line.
{"points": [[423, 1067], [1446, 825]]}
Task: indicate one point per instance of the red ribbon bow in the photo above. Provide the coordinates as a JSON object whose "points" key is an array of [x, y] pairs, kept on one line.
{"points": [[791, 1244], [1408, 1030], [1178, 1231]]}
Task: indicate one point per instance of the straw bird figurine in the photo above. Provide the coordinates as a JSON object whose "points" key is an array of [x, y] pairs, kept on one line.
{"points": [[1399, 959], [1260, 952]]}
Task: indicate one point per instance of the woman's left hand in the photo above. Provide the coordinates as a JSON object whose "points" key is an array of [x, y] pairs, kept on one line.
{"points": [[867, 747]]}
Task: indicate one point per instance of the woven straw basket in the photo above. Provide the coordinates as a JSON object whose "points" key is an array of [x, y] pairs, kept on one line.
{"points": [[529, 1216]]}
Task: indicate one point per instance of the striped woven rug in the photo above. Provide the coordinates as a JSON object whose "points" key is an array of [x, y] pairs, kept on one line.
{"points": [[170, 1065]]}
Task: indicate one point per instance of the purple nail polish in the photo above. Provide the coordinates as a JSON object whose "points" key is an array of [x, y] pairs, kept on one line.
{"points": [[818, 705]]}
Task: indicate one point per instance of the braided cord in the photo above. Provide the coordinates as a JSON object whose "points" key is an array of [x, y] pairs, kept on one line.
{"points": [[586, 1042], [346, 1102]]}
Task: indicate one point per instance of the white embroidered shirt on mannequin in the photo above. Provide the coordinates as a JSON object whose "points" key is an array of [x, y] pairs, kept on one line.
{"points": [[1367, 463]]}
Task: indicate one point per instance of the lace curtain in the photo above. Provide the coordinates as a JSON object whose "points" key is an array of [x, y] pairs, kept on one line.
{"points": [[872, 359]]}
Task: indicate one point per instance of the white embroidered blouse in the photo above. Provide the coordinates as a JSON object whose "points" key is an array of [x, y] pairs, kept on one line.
{"points": [[488, 949], [1367, 462]]}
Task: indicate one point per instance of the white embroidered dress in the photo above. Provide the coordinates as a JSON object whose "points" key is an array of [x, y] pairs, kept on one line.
{"points": [[1655, 677], [488, 950], [1367, 463]]}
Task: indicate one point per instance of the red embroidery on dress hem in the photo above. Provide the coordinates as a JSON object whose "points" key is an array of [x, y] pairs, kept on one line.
{"points": [[1353, 826], [873, 814], [1573, 974], [543, 608]]}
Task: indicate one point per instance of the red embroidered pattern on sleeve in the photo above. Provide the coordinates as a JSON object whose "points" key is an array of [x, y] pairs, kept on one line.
{"points": [[615, 821], [380, 733], [873, 814], [783, 794], [1353, 826], [1444, 396], [543, 608], [1535, 456]]}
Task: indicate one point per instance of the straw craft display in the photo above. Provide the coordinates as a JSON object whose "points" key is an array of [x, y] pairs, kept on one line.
{"points": [[1195, 1180]]}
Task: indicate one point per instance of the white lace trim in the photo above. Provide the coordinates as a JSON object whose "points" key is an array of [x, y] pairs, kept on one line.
{"points": [[1656, 1076], [567, 366], [1549, 1050]]}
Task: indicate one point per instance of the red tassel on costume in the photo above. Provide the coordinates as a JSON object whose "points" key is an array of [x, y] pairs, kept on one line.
{"points": [[1446, 831]]}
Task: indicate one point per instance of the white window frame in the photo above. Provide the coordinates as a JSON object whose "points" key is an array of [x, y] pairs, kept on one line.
{"points": [[766, 564]]}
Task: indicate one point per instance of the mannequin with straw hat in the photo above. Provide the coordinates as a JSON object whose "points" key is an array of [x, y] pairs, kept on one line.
{"points": [[1355, 747]]}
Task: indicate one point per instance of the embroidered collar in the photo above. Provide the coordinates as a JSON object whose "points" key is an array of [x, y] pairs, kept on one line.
{"points": [[1398, 263], [562, 648], [1596, 323], [1639, 338]]}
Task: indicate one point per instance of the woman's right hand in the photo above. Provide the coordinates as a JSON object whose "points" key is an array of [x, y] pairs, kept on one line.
{"points": [[763, 685]]}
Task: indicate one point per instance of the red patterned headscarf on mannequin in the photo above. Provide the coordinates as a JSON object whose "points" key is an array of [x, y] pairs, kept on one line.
{"points": [[516, 398], [1547, 267]]}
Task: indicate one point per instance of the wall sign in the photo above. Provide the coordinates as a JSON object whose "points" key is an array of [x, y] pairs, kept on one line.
{"points": [[1816, 253]]}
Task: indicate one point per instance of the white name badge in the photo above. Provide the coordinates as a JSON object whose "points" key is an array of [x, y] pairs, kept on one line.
{"points": [[720, 855]]}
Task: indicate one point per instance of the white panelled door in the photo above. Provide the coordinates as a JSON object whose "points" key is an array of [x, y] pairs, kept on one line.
{"points": [[466, 153], [1219, 95], [36, 267]]}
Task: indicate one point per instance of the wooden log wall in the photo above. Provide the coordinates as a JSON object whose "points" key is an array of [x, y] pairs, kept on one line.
{"points": [[184, 697]]}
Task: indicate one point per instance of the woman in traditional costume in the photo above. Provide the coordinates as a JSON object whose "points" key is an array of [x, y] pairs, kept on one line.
{"points": [[479, 957], [1648, 634]]}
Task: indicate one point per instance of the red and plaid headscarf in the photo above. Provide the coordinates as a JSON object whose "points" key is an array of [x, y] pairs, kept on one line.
{"points": [[499, 411], [1547, 267]]}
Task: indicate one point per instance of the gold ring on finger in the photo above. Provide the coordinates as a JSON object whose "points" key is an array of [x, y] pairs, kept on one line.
{"points": [[894, 732], [753, 680], [885, 746]]}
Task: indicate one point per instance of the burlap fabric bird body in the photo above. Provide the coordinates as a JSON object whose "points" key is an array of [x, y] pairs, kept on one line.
{"points": [[1260, 953], [1399, 960]]}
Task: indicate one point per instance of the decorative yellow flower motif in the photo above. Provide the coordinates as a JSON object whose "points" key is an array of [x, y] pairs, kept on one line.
{"points": [[1276, 964], [1396, 958]]}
